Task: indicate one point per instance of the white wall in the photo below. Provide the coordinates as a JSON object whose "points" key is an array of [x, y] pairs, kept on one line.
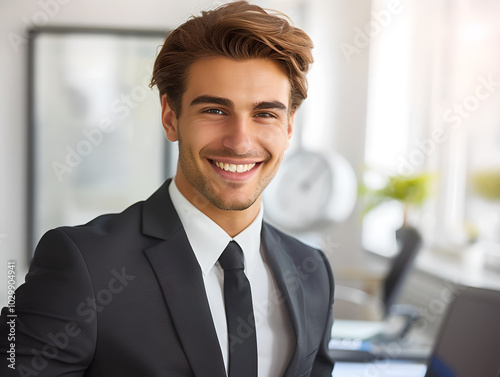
{"points": [[337, 94], [338, 102]]}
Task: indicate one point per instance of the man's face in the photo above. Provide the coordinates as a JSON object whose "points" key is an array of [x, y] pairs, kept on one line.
{"points": [[234, 128]]}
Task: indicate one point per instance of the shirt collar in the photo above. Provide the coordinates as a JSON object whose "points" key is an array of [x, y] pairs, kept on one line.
{"points": [[208, 240]]}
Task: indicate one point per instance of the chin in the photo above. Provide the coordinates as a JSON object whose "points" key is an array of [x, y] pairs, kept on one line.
{"points": [[232, 204]]}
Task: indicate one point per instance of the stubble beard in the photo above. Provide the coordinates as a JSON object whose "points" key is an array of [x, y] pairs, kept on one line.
{"points": [[204, 187]]}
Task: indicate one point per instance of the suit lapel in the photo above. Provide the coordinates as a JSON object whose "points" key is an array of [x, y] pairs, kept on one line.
{"points": [[289, 283], [180, 278]]}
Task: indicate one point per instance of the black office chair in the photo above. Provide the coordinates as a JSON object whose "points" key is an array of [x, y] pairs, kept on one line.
{"points": [[409, 243]]}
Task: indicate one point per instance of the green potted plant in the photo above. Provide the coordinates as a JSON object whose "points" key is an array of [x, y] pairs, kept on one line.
{"points": [[487, 184], [410, 191]]}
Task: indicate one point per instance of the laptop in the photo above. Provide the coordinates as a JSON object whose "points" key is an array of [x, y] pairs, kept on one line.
{"points": [[468, 343], [469, 339]]}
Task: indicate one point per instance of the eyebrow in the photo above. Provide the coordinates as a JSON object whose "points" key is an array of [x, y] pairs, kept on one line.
{"points": [[269, 105], [205, 99], [212, 100]]}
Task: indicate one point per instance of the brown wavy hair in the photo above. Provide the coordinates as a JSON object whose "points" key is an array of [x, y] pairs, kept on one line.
{"points": [[240, 31]]}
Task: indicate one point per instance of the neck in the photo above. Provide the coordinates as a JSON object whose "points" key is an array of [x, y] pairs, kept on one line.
{"points": [[232, 222]]}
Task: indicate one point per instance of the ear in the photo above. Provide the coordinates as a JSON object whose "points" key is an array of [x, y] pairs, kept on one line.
{"points": [[169, 120], [291, 120]]}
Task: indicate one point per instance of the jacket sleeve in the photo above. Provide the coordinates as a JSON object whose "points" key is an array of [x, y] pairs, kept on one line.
{"points": [[323, 364], [51, 338]]}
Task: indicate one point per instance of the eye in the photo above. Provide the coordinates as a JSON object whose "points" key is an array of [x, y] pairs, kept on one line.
{"points": [[265, 115], [214, 111]]}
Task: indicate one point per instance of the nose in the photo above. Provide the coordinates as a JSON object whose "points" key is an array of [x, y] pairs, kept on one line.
{"points": [[237, 137]]}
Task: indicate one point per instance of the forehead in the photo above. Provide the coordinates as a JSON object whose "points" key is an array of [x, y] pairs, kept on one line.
{"points": [[247, 80]]}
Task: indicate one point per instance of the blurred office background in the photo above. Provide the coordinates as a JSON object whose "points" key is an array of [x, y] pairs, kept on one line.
{"points": [[404, 102]]}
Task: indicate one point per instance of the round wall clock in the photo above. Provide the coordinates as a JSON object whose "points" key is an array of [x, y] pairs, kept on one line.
{"points": [[311, 189]]}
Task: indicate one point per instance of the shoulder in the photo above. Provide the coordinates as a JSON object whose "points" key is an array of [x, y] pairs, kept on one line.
{"points": [[112, 230], [105, 234], [287, 241], [108, 224]]}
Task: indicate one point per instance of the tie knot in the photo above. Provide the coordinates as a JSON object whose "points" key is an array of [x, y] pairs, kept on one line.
{"points": [[232, 257]]}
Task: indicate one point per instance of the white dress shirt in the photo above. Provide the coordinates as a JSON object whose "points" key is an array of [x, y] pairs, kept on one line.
{"points": [[275, 337]]}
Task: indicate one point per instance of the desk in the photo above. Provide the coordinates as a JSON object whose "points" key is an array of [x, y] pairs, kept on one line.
{"points": [[381, 368], [467, 267]]}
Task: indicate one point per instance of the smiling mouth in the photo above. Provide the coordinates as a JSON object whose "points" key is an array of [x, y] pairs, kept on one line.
{"points": [[233, 168]]}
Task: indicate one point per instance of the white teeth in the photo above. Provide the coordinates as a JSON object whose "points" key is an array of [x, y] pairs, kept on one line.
{"points": [[234, 168]]}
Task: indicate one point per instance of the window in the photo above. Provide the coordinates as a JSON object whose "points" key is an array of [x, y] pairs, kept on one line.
{"points": [[434, 106]]}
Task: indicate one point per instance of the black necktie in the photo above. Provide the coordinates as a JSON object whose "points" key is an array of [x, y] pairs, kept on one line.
{"points": [[239, 314]]}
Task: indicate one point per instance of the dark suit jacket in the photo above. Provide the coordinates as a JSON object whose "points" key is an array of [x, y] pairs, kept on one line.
{"points": [[123, 296]]}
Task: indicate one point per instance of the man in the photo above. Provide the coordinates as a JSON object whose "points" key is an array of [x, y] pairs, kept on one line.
{"points": [[191, 282]]}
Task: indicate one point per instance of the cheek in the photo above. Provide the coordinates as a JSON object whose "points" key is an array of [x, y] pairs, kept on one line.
{"points": [[198, 136], [273, 139]]}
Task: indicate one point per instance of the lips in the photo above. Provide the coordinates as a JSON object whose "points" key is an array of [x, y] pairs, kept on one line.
{"points": [[234, 168]]}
